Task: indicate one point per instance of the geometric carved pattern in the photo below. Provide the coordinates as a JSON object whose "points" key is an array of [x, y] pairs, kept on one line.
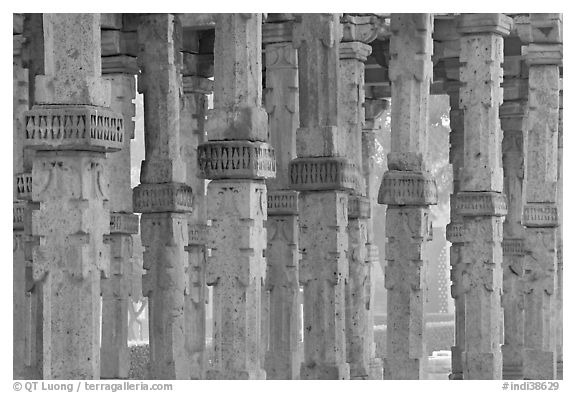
{"points": [[165, 197], [480, 204], [358, 207], [455, 233], [323, 173], [24, 186], [282, 202], [540, 215], [73, 127], [236, 160], [197, 234], [407, 188], [513, 247]]}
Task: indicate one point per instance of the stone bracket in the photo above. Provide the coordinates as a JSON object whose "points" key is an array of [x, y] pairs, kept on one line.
{"points": [[165, 197], [127, 223], [24, 186], [473, 203], [323, 173], [73, 127], [513, 247], [540, 215], [236, 160], [282, 203], [407, 188], [358, 207]]}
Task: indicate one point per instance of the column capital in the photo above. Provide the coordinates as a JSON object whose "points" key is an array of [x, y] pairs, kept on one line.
{"points": [[276, 33], [407, 188], [354, 50], [544, 54], [323, 173], [163, 198], [282, 202], [361, 28], [197, 85], [127, 223], [495, 23], [470, 203]]}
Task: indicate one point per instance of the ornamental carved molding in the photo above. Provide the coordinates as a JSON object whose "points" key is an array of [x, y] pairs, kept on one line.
{"points": [[540, 215], [323, 173], [126, 223], [160, 198], [407, 188], [282, 203], [79, 127], [236, 160], [358, 207], [480, 204]]}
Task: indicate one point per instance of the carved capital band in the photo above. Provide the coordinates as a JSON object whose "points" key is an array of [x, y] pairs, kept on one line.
{"points": [[236, 160], [18, 215], [277, 32], [24, 186], [354, 50], [323, 173], [372, 253], [540, 215], [73, 127], [166, 197], [544, 54], [407, 188], [485, 24], [197, 234], [358, 207], [127, 223], [470, 203], [282, 203], [513, 247], [456, 232]]}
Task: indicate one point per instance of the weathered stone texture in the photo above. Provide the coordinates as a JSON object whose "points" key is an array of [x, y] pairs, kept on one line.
{"points": [[236, 270], [323, 271]]}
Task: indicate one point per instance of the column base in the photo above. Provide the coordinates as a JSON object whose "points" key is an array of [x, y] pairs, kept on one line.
{"points": [[376, 371], [283, 365], [456, 374], [511, 362], [328, 371], [403, 369], [482, 365], [560, 370], [539, 364], [236, 374]]}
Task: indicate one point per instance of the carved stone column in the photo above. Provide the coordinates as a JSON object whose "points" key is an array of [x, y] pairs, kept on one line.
{"points": [[559, 246], [237, 158], [358, 31], [408, 190], [455, 229], [481, 201], [194, 106], [324, 177], [163, 198], [282, 255], [117, 288], [513, 120], [540, 215], [71, 128]]}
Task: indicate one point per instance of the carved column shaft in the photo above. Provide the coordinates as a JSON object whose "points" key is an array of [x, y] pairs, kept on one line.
{"points": [[194, 106], [559, 246], [540, 215], [480, 200], [283, 356], [237, 159], [324, 181], [354, 51], [513, 119], [455, 229], [408, 190], [117, 288], [72, 130], [162, 197]]}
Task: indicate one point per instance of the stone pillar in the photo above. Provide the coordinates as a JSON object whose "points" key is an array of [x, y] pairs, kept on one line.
{"points": [[513, 119], [324, 177], [480, 200], [71, 128], [559, 242], [163, 198], [374, 108], [455, 230], [282, 360], [540, 214], [194, 106], [237, 158], [358, 31], [19, 296], [408, 190], [117, 288]]}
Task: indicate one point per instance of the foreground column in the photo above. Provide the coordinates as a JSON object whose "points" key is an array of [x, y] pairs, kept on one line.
{"points": [[408, 190], [480, 201], [358, 31], [282, 255], [196, 87], [324, 177], [71, 129], [117, 287], [540, 215], [163, 198], [237, 159], [513, 118], [559, 253]]}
